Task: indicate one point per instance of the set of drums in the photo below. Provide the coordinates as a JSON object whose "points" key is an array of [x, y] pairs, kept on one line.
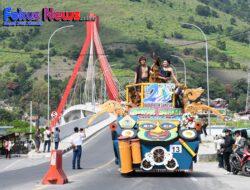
{"points": [[188, 134]]}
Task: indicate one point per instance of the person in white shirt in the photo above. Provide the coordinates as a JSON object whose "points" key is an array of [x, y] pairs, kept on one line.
{"points": [[219, 141], [76, 142], [47, 139]]}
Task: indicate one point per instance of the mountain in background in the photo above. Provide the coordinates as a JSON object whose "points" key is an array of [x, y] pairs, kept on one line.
{"points": [[128, 29]]}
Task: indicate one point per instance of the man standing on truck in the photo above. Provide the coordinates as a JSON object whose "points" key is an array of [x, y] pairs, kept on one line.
{"points": [[142, 71]]}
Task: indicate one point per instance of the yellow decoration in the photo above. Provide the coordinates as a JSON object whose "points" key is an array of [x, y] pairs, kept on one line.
{"points": [[191, 106], [127, 122], [185, 145]]}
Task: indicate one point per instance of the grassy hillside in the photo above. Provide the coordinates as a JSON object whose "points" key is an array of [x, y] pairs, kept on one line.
{"points": [[129, 28], [125, 21]]}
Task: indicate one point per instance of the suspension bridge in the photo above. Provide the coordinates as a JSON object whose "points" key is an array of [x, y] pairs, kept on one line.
{"points": [[85, 92]]}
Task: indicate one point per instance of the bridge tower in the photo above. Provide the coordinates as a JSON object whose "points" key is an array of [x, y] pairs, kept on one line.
{"points": [[92, 37]]}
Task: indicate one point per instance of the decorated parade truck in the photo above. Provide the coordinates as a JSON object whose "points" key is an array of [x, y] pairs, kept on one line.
{"points": [[159, 130]]}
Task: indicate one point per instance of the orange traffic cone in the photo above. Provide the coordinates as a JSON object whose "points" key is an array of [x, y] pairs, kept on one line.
{"points": [[55, 175]]}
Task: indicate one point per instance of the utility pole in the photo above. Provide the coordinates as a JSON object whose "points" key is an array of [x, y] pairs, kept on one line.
{"points": [[48, 72], [248, 82], [248, 92], [207, 64], [30, 136]]}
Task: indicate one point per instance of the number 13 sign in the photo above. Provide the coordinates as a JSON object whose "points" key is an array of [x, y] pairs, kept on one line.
{"points": [[175, 148]]}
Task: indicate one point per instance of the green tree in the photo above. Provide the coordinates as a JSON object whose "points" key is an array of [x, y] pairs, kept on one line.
{"points": [[239, 87], [233, 21], [39, 92], [118, 52], [20, 69], [149, 24], [5, 115], [221, 44], [203, 10], [217, 90], [177, 35]]}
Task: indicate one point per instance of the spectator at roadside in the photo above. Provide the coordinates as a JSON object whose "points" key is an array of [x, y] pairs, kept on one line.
{"points": [[204, 124], [237, 138], [47, 139], [242, 142], [8, 146], [37, 139], [76, 142], [219, 142], [56, 137], [228, 149]]}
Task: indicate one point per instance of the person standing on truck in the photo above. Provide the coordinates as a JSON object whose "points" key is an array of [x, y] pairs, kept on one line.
{"points": [[166, 72], [155, 70], [142, 72]]}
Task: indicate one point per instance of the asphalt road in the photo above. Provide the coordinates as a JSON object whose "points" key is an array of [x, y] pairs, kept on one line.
{"points": [[100, 172]]}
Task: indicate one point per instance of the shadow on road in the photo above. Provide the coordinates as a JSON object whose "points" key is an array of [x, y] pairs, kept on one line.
{"points": [[179, 174]]}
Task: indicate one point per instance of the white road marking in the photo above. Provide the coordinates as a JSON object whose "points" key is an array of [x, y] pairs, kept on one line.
{"points": [[11, 165], [194, 179]]}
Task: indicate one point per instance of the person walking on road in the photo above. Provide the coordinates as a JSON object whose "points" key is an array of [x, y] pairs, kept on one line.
{"points": [[56, 137], [37, 139], [47, 139], [76, 142], [228, 149]]}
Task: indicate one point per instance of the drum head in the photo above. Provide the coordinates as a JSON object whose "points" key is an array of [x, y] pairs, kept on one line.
{"points": [[188, 134], [128, 133]]}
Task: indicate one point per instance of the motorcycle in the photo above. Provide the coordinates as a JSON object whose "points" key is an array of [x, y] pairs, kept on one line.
{"points": [[241, 162]]}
